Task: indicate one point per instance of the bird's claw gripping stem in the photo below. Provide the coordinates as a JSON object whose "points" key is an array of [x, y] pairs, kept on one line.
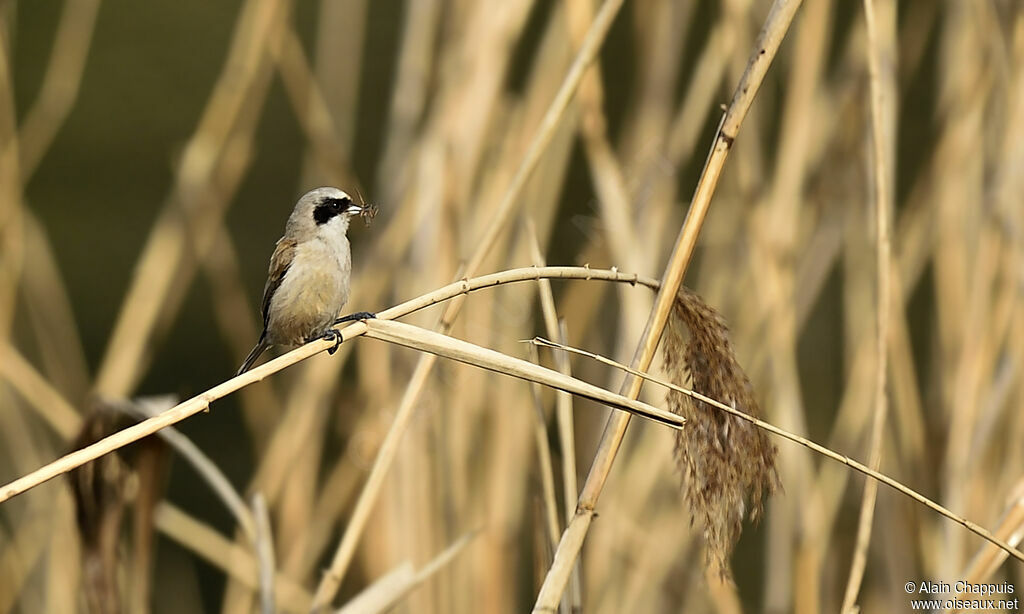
{"points": [[354, 317], [332, 335]]}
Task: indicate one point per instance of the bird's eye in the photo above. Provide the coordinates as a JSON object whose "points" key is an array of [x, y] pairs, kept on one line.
{"points": [[336, 205]]}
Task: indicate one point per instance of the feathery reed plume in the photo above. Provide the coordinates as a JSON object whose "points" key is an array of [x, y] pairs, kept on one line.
{"points": [[727, 464]]}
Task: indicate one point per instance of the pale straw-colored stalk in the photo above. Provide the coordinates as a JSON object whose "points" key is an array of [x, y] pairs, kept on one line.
{"points": [[242, 84], [264, 553], [60, 84], [386, 592], [767, 44], [448, 347], [544, 464], [880, 50], [236, 561], [202, 401]]}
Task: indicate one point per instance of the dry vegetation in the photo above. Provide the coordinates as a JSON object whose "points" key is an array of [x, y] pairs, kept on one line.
{"points": [[880, 170]]}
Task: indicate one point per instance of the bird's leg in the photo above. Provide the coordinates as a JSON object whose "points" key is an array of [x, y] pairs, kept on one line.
{"points": [[332, 335], [354, 317]]}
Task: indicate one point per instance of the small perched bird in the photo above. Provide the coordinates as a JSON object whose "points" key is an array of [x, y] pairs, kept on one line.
{"points": [[308, 281]]}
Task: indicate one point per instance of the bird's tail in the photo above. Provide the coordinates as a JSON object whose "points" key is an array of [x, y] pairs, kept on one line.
{"points": [[261, 347]]}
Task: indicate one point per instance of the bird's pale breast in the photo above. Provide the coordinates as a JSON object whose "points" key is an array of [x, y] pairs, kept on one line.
{"points": [[312, 293]]}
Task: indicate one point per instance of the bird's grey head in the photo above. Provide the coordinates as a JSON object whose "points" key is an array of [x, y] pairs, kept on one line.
{"points": [[322, 210]]}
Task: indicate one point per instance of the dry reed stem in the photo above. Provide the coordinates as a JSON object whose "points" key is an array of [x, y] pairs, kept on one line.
{"points": [[564, 415], [803, 441], [608, 175], [651, 165], [907, 403], [778, 243], [312, 111], [972, 368], [563, 407], [50, 405], [707, 75], [448, 347], [11, 208], [202, 401], [193, 455], [544, 133], [182, 528], [663, 35], [236, 562], [338, 65], [544, 464], [339, 488], [370, 284], [21, 551], [23, 547], [157, 269], [264, 553], [881, 42], [287, 470], [962, 95], [385, 593], [61, 82], [64, 565], [912, 237], [776, 25], [409, 96], [1011, 529], [542, 138], [473, 93], [51, 313], [795, 144]]}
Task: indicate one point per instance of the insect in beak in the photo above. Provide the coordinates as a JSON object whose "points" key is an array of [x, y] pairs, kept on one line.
{"points": [[368, 213], [365, 210]]}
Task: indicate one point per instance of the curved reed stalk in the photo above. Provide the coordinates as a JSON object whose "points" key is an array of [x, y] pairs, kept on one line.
{"points": [[201, 402], [882, 93]]}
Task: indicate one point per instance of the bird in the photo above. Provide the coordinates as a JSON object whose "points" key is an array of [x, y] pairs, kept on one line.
{"points": [[308, 279]]}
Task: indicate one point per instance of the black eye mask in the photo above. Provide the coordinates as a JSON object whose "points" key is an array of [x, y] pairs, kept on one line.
{"points": [[329, 208]]}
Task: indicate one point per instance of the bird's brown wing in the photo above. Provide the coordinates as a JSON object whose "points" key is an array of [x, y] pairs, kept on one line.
{"points": [[284, 253]]}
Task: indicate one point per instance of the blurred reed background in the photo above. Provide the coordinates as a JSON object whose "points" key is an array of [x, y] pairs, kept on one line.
{"points": [[151, 153]]}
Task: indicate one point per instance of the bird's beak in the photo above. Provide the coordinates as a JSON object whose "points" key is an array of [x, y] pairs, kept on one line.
{"points": [[354, 209]]}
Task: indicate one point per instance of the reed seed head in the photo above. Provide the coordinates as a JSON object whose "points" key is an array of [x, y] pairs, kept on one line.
{"points": [[727, 464]]}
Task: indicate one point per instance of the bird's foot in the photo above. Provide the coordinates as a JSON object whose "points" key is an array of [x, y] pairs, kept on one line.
{"points": [[332, 335], [354, 317]]}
